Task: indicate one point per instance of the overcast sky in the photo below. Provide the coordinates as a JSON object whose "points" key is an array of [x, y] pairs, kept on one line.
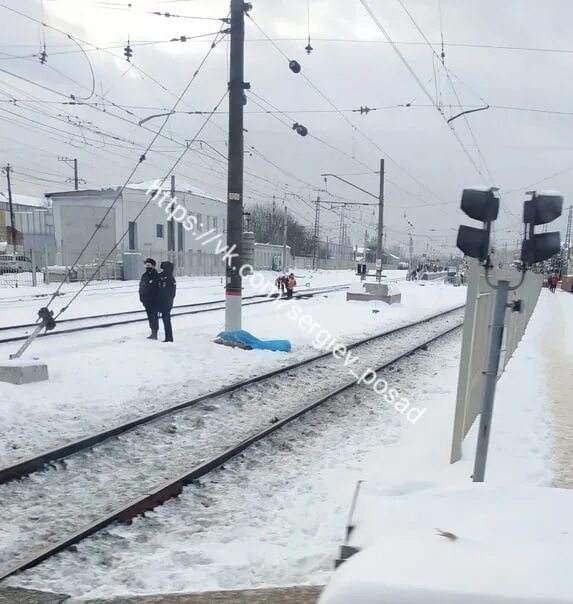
{"points": [[352, 65]]}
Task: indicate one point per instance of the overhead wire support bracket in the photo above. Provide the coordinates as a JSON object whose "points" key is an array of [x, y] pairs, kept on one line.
{"points": [[466, 112], [47, 322]]}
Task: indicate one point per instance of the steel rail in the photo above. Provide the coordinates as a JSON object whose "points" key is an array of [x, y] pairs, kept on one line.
{"points": [[267, 299], [40, 461], [172, 488]]}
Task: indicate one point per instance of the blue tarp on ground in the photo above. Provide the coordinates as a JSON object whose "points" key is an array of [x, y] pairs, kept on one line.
{"points": [[245, 339]]}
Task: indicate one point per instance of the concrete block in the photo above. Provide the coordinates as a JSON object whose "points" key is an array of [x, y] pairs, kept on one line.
{"points": [[382, 292], [23, 372], [380, 289]]}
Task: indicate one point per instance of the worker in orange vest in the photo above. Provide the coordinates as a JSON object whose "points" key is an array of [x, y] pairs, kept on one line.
{"points": [[291, 284]]}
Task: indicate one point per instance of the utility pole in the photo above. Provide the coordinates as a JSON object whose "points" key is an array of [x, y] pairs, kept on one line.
{"points": [[316, 232], [237, 86], [341, 233], [72, 163], [11, 207], [285, 241], [76, 187], [379, 247], [568, 239], [411, 252], [171, 222]]}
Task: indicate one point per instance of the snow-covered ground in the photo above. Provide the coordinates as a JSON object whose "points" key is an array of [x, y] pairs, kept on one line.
{"points": [[277, 515], [20, 305], [101, 378]]}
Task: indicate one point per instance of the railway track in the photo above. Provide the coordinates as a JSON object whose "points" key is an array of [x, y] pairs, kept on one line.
{"points": [[75, 496], [102, 320]]}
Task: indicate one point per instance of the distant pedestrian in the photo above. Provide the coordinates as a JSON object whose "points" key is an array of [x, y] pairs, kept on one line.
{"points": [[414, 274], [167, 289], [553, 281], [280, 283], [149, 296], [290, 285]]}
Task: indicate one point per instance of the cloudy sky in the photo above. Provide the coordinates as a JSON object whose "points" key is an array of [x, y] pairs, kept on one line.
{"points": [[514, 55]]}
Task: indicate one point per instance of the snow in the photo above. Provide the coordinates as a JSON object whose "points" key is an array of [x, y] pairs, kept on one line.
{"points": [[550, 193], [273, 516], [120, 375], [515, 513], [168, 447], [276, 515], [180, 186], [358, 287], [505, 547], [24, 200], [478, 188]]}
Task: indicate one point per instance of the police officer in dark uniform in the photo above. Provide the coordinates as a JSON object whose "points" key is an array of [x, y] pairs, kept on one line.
{"points": [[167, 287], [149, 296]]}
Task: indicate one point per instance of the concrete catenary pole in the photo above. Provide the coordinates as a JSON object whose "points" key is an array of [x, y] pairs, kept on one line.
{"points": [[285, 226], [380, 223], [7, 170], [233, 286]]}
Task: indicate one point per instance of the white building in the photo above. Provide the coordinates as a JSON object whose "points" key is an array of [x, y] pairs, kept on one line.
{"points": [[270, 257], [137, 224], [32, 220]]}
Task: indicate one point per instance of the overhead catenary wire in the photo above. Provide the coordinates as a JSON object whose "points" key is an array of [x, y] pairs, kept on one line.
{"points": [[414, 75], [139, 162], [143, 208], [446, 71], [353, 126], [464, 114], [346, 154]]}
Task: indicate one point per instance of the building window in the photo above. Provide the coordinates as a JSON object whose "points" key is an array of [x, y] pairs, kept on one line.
{"points": [[215, 225], [171, 235], [207, 223], [180, 237], [200, 222], [159, 231], [131, 227]]}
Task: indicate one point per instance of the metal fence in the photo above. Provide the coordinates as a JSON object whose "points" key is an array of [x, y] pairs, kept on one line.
{"points": [[20, 269], [475, 339], [51, 269]]}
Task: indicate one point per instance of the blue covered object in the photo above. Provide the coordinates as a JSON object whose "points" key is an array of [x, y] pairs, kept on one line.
{"points": [[244, 339]]}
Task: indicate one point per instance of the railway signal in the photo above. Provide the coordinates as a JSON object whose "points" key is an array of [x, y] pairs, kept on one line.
{"points": [[483, 204], [480, 204], [542, 208]]}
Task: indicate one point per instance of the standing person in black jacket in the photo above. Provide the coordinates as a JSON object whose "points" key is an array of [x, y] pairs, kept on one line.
{"points": [[149, 296], [167, 287]]}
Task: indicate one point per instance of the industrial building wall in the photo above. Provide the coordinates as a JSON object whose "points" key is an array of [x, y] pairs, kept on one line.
{"points": [[76, 225], [153, 224]]}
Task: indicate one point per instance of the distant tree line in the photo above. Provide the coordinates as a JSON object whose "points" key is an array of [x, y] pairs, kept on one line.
{"points": [[266, 223]]}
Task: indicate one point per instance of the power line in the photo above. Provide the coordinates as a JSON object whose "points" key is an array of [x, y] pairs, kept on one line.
{"points": [[124, 235], [441, 57], [354, 127], [378, 23], [142, 158]]}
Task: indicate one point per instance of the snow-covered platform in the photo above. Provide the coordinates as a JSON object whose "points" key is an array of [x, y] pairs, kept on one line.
{"points": [[419, 544]]}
